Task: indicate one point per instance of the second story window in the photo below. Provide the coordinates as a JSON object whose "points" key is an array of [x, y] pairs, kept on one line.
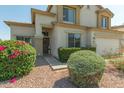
{"points": [[69, 15], [104, 22]]}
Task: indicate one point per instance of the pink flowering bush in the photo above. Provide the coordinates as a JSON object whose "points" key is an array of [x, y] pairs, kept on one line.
{"points": [[16, 59], [2, 48]]}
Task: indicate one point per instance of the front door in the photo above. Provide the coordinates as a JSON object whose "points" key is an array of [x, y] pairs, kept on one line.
{"points": [[45, 45]]}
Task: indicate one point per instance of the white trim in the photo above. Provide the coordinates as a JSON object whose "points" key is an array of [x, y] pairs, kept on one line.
{"points": [[70, 31], [68, 22]]}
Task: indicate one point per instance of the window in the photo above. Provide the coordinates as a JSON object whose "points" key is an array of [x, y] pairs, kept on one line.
{"points": [[104, 22], [26, 39], [73, 40], [69, 14]]}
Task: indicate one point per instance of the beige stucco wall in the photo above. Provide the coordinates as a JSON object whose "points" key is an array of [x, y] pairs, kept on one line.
{"points": [[108, 34], [54, 9], [38, 44], [120, 28], [92, 39], [88, 17], [107, 42], [106, 46], [60, 38], [88, 38], [21, 31], [103, 40], [41, 20]]}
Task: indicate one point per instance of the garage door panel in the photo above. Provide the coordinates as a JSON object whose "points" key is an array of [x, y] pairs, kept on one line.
{"points": [[104, 46]]}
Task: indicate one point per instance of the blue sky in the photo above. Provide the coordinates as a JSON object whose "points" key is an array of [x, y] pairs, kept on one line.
{"points": [[23, 14]]}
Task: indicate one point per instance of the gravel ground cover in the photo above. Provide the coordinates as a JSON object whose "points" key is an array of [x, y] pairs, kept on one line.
{"points": [[42, 76]]}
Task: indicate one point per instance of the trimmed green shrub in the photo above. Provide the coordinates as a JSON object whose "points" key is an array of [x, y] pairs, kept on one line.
{"points": [[16, 59], [85, 68], [64, 53], [89, 48]]}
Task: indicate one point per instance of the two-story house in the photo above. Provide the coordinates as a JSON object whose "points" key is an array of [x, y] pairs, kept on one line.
{"points": [[68, 26]]}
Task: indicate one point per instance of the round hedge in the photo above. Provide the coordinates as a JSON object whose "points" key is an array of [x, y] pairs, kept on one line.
{"points": [[85, 68], [16, 59]]}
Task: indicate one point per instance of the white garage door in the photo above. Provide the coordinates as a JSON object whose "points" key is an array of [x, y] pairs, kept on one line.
{"points": [[104, 46]]}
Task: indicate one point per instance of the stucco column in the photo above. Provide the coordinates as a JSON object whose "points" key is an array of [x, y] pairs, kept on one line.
{"points": [[38, 43], [38, 39], [38, 31], [38, 28]]}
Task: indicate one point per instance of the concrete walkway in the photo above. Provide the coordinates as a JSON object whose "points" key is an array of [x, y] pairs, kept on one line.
{"points": [[54, 63]]}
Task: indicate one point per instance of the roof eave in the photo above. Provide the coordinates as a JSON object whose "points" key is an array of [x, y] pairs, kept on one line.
{"points": [[9, 23]]}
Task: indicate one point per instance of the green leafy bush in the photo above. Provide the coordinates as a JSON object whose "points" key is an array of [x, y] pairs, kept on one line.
{"points": [[89, 48], [64, 53], [16, 59], [85, 68]]}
